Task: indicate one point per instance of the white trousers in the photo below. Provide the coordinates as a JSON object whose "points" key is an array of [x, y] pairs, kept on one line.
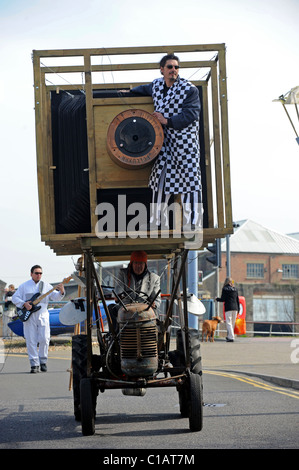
{"points": [[230, 320], [37, 335]]}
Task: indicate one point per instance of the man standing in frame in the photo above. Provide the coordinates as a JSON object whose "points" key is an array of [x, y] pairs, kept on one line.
{"points": [[177, 167]]}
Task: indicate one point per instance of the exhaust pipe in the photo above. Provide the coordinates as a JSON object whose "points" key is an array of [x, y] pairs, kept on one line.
{"points": [[136, 392]]}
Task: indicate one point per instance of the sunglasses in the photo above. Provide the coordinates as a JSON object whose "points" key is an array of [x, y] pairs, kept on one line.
{"points": [[38, 273], [173, 66]]}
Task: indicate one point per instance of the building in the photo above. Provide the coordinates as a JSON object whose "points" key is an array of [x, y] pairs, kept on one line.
{"points": [[265, 267]]}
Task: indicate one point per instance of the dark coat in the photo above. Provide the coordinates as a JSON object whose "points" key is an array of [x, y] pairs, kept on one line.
{"points": [[230, 298]]}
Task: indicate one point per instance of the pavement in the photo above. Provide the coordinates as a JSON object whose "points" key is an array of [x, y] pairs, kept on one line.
{"points": [[274, 359]]}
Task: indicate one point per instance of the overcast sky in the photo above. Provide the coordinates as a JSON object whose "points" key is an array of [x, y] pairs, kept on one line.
{"points": [[262, 38]]}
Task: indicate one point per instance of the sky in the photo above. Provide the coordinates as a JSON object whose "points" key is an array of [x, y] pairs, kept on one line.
{"points": [[262, 39]]}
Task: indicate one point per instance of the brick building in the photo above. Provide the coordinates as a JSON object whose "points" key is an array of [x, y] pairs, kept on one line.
{"points": [[265, 267]]}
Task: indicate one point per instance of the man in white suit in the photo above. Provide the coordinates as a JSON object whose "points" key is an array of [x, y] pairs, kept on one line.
{"points": [[37, 327]]}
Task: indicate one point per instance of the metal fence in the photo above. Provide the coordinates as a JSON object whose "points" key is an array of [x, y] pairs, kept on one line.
{"points": [[268, 332]]}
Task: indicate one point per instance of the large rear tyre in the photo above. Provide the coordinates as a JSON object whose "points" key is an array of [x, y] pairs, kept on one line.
{"points": [[88, 402], [195, 403]]}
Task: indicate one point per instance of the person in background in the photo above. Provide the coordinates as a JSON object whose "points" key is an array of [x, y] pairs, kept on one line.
{"points": [[37, 327], [9, 310], [230, 298]]}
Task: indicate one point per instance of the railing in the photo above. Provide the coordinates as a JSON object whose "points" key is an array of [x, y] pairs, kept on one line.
{"points": [[264, 332], [271, 324]]}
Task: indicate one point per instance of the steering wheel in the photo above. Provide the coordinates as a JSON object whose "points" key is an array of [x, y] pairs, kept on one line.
{"points": [[134, 296], [141, 294]]}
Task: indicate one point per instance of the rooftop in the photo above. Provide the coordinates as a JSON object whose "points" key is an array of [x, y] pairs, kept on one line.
{"points": [[251, 237]]}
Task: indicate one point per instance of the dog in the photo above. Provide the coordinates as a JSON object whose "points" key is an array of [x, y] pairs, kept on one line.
{"points": [[209, 327]]}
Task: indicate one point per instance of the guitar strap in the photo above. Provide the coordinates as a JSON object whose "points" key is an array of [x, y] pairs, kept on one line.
{"points": [[41, 286]]}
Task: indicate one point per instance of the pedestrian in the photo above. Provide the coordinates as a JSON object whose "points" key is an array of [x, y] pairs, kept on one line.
{"points": [[37, 327], [230, 298], [177, 167], [136, 284], [9, 310]]}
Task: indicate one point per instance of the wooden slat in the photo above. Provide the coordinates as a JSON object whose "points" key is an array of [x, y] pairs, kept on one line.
{"points": [[90, 142], [46, 213], [207, 157], [225, 139], [217, 148], [122, 67], [125, 101], [106, 86], [49, 163], [129, 50], [41, 126], [116, 248]]}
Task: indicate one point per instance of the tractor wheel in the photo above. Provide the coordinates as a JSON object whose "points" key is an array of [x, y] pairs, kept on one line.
{"points": [[184, 402], [194, 345], [190, 406], [88, 404], [79, 367], [195, 403]]}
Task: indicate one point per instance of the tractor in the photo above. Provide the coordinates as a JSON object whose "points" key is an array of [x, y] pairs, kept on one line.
{"points": [[136, 355]]}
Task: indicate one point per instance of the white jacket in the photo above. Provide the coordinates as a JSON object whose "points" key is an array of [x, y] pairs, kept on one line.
{"points": [[26, 290], [149, 284]]}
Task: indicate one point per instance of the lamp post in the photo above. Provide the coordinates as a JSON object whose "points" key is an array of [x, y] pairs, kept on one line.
{"points": [[291, 97], [193, 283]]}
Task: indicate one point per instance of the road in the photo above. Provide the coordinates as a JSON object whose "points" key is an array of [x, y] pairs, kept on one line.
{"points": [[36, 412]]}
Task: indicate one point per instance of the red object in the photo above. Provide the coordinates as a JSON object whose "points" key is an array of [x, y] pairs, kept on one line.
{"points": [[240, 325], [139, 256]]}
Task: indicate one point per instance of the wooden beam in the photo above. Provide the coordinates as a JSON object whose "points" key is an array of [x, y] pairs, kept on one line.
{"points": [[225, 139], [207, 157], [90, 141], [129, 50], [107, 86], [217, 148], [122, 67]]}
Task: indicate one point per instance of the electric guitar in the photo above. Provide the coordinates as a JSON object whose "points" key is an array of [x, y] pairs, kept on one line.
{"points": [[24, 314]]}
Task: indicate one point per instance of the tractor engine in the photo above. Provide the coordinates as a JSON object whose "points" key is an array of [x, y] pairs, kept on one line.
{"points": [[138, 340]]}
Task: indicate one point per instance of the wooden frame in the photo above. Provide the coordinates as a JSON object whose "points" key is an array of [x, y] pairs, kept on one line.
{"points": [[215, 114]]}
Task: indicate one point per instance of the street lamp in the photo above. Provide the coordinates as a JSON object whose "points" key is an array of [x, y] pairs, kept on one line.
{"points": [[291, 97]]}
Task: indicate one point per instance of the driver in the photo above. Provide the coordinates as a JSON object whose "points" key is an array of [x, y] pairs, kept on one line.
{"points": [[136, 284]]}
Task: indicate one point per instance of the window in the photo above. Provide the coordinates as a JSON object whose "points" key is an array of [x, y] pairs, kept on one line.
{"points": [[290, 271], [271, 308], [255, 270]]}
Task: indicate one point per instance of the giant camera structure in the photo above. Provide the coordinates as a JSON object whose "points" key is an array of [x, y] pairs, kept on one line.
{"points": [[95, 145]]}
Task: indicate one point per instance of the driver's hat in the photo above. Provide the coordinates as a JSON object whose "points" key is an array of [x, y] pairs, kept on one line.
{"points": [[139, 256]]}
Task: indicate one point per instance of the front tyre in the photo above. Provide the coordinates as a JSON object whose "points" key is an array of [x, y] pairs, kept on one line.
{"points": [[88, 404], [194, 348], [195, 403]]}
